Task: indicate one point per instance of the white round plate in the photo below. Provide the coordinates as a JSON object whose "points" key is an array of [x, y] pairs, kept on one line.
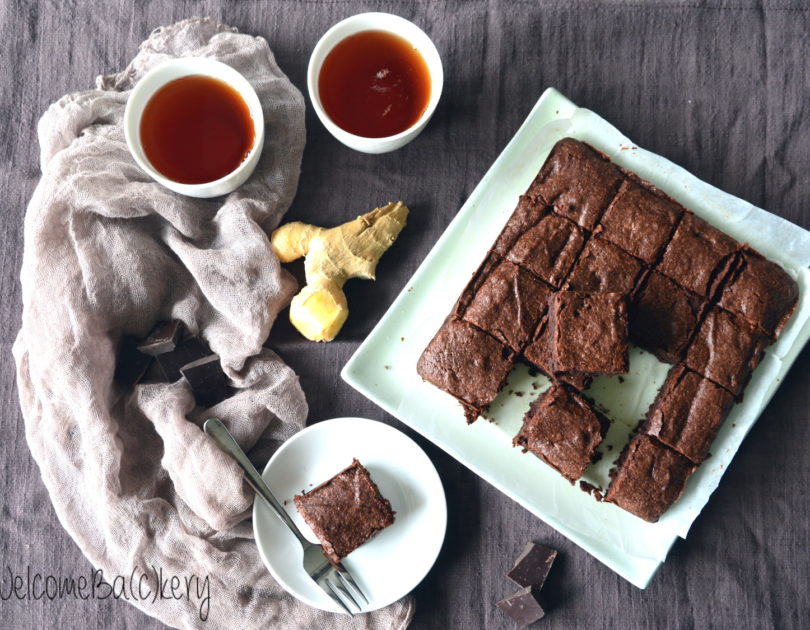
{"points": [[387, 566]]}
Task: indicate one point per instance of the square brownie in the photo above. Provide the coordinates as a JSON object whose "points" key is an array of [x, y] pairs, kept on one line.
{"points": [[604, 268], [548, 248], [345, 511], [761, 291], [468, 364], [563, 430], [538, 354], [577, 181], [664, 317], [688, 413], [528, 213], [699, 256], [649, 478], [588, 332], [504, 300], [640, 220], [726, 349]]}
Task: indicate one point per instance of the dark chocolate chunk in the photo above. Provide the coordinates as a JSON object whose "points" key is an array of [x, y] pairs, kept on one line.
{"points": [[532, 565], [185, 353], [130, 364], [163, 338], [345, 511], [524, 607], [207, 380]]}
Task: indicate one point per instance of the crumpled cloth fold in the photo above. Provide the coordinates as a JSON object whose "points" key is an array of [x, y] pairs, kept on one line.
{"points": [[108, 252]]}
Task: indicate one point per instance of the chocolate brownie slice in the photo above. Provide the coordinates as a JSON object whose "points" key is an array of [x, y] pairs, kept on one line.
{"points": [[588, 332], [548, 248], [688, 413], [604, 268], [563, 430], [538, 354], [664, 317], [649, 478], [345, 511], [528, 213], [640, 220], [761, 291], [726, 349], [468, 364], [577, 181], [699, 256], [504, 300]]}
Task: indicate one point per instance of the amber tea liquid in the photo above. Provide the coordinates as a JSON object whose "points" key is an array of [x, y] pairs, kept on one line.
{"points": [[196, 129], [374, 84]]}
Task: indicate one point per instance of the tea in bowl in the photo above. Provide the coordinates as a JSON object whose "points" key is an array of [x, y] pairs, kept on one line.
{"points": [[196, 126], [375, 80]]}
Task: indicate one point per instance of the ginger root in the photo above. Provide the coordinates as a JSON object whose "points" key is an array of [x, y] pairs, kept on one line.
{"points": [[331, 257]]}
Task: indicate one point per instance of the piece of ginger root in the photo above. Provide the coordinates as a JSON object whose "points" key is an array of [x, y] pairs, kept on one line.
{"points": [[332, 256]]}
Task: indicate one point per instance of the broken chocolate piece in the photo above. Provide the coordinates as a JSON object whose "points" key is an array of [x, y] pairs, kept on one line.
{"points": [[207, 380], [163, 338], [523, 607], [185, 353], [130, 364], [532, 566]]}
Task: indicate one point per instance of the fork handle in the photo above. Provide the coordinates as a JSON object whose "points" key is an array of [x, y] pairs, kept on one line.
{"points": [[215, 429]]}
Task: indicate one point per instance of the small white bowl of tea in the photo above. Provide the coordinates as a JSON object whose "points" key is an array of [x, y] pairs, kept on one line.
{"points": [[196, 126], [375, 80]]}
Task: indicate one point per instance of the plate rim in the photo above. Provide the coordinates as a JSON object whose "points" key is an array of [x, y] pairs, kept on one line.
{"points": [[314, 428]]}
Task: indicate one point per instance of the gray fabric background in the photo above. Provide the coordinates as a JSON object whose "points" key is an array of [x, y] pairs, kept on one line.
{"points": [[721, 89]]}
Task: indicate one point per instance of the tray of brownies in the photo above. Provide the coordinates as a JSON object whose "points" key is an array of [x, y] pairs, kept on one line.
{"points": [[605, 330]]}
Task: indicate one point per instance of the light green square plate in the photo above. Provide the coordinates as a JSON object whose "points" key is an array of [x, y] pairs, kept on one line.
{"points": [[384, 367]]}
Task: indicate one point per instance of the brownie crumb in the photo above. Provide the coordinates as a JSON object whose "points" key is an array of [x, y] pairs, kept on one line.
{"points": [[595, 491], [621, 379]]}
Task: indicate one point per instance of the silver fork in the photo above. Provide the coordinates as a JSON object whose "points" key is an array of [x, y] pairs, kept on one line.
{"points": [[333, 580]]}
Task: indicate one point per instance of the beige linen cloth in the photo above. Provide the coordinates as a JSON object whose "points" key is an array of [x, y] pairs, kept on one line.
{"points": [[108, 252]]}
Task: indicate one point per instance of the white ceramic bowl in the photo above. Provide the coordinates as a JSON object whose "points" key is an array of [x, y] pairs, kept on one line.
{"points": [[376, 22], [155, 79]]}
